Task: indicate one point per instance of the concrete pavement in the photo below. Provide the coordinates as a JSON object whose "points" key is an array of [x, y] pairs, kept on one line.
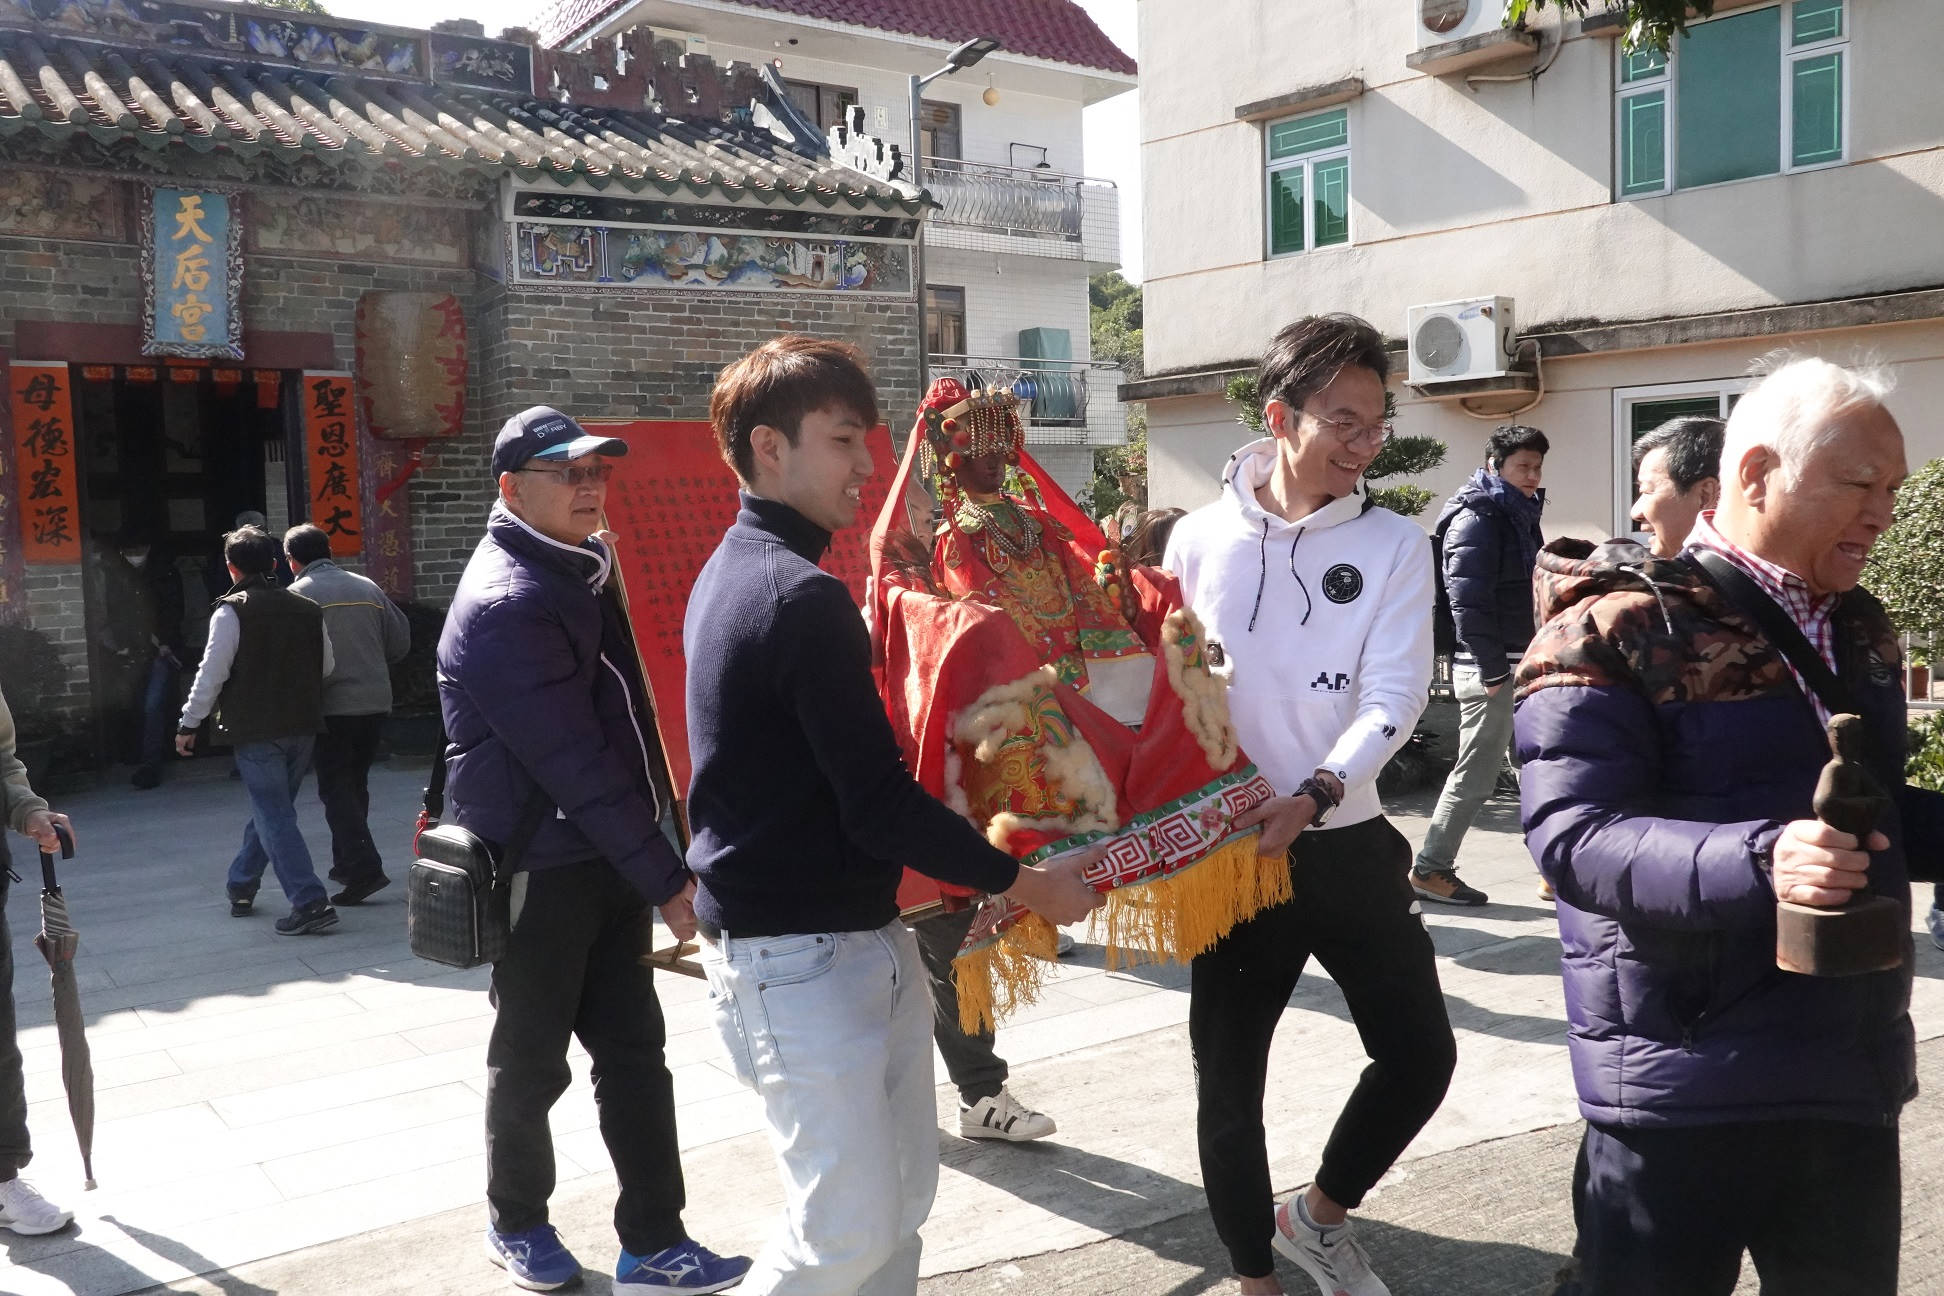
{"points": [[303, 1115]]}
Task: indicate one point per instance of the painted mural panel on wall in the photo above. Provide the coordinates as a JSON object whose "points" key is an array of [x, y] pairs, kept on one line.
{"points": [[70, 205], [192, 275], [411, 350], [310, 225], [603, 255]]}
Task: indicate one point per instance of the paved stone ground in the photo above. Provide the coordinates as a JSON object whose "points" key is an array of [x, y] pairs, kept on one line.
{"points": [[303, 1115]]}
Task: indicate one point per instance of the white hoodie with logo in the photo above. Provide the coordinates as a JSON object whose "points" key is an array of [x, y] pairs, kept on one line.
{"points": [[1325, 623]]}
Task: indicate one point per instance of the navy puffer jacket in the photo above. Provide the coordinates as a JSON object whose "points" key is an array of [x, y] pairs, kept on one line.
{"points": [[539, 681], [1666, 745], [1491, 540]]}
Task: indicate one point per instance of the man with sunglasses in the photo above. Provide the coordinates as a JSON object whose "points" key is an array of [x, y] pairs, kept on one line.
{"points": [[1322, 604], [548, 723]]}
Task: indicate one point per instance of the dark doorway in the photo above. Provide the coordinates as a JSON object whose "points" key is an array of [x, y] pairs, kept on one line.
{"points": [[168, 457]]}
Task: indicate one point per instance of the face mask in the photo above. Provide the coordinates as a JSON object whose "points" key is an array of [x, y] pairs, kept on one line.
{"points": [[136, 558]]}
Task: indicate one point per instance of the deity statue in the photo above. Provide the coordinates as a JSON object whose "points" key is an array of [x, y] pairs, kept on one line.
{"points": [[1055, 695]]}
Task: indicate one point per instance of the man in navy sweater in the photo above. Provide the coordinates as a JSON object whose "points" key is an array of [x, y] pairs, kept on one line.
{"points": [[804, 815]]}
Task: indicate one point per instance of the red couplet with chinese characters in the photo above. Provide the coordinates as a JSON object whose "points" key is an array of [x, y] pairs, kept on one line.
{"points": [[43, 432], [671, 499], [331, 450]]}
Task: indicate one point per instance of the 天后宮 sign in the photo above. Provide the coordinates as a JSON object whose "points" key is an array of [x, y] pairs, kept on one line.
{"points": [[192, 271]]}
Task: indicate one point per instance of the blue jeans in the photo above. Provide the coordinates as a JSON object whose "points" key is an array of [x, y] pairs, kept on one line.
{"points": [[159, 709], [272, 772]]}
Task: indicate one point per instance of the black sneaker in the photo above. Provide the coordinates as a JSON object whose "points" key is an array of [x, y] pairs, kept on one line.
{"points": [[1443, 886], [242, 903], [318, 916], [146, 777], [359, 892]]}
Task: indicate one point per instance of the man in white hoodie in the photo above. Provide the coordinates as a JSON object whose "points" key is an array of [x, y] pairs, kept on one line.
{"points": [[1322, 603]]}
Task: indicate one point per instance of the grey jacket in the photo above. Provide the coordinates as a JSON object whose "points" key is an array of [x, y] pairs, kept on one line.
{"points": [[16, 798], [367, 633]]}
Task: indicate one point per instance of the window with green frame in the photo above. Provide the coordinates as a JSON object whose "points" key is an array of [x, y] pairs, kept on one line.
{"points": [[1308, 181], [1751, 93]]}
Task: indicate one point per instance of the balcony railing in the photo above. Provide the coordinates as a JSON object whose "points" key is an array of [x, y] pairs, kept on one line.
{"points": [[1061, 405], [1026, 202]]}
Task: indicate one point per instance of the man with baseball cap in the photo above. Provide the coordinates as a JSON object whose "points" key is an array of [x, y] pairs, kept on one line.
{"points": [[549, 740]]}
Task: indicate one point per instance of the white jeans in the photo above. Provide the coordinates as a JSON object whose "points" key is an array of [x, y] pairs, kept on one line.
{"points": [[833, 1030]]}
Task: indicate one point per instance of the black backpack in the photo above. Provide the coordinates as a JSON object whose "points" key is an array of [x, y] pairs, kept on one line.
{"points": [[1444, 628]]}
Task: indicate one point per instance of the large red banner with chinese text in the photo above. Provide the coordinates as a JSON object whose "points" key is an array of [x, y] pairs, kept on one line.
{"points": [[671, 499], [331, 455], [43, 433]]}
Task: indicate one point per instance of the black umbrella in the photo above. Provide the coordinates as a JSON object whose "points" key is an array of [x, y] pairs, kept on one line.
{"points": [[57, 942]]}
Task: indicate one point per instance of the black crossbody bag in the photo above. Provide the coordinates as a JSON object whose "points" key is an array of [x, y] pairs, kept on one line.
{"points": [[457, 898]]}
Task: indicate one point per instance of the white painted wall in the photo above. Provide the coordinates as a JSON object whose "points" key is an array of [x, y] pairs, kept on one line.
{"points": [[1189, 439], [1505, 188]]}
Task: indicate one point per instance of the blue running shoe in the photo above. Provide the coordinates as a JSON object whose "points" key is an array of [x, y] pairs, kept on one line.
{"points": [[686, 1267], [533, 1258]]}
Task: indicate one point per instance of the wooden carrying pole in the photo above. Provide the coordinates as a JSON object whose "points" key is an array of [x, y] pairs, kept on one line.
{"points": [[679, 957]]}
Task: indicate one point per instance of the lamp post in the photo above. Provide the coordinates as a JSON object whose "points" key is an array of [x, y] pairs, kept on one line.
{"points": [[959, 59]]}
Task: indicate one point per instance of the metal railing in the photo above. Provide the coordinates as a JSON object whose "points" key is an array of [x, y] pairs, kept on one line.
{"points": [[1055, 393], [1030, 202]]}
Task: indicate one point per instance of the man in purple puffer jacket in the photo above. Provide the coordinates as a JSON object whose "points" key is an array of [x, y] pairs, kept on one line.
{"points": [[1671, 754]]}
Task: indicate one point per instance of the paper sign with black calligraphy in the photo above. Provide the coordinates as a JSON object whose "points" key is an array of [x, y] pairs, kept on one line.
{"points": [[331, 454], [192, 274], [43, 458], [671, 499]]}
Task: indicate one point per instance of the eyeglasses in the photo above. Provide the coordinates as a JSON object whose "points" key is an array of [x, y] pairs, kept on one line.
{"points": [[1348, 433], [572, 476]]}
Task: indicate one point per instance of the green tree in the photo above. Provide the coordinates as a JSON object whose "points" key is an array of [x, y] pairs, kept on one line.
{"points": [[298, 6], [1404, 456], [1906, 567], [1650, 23], [1116, 334]]}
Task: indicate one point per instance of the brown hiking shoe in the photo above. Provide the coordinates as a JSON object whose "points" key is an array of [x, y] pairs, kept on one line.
{"points": [[1443, 886]]}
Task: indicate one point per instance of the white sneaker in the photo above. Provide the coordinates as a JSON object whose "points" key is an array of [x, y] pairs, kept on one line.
{"points": [[1003, 1116], [1330, 1256], [25, 1211]]}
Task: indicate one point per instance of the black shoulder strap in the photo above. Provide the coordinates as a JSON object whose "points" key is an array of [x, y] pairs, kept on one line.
{"points": [[532, 814], [1780, 628]]}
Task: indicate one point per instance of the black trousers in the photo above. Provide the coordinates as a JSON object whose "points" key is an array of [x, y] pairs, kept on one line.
{"points": [[572, 969], [1818, 1205], [343, 762], [977, 1070], [15, 1150], [1354, 910]]}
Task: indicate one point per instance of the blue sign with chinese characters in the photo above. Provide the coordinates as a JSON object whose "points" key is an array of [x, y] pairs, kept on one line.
{"points": [[193, 282]]}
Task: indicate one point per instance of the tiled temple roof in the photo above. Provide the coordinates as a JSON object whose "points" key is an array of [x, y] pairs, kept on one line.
{"points": [[1059, 30], [165, 97]]}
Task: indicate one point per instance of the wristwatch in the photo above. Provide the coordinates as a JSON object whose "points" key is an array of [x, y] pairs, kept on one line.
{"points": [[1317, 791]]}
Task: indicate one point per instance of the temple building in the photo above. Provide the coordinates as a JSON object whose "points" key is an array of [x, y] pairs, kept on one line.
{"points": [[257, 260]]}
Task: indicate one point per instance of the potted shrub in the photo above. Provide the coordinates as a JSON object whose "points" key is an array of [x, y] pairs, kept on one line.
{"points": [[413, 726], [32, 676]]}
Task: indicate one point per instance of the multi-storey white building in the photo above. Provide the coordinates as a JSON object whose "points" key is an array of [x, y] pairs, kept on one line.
{"points": [[1658, 223], [1020, 226]]}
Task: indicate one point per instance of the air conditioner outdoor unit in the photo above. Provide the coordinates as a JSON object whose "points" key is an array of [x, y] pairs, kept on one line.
{"points": [[1442, 21], [1455, 341]]}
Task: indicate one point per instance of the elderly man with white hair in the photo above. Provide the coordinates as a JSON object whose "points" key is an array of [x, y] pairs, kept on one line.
{"points": [[1671, 718]]}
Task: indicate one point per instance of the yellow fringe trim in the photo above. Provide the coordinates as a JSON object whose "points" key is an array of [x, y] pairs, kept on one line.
{"points": [[1170, 919]]}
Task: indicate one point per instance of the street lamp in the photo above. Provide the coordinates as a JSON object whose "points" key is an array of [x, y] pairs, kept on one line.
{"points": [[958, 60]]}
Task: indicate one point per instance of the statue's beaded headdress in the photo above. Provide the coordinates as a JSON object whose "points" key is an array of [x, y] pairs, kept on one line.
{"points": [[967, 425]]}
